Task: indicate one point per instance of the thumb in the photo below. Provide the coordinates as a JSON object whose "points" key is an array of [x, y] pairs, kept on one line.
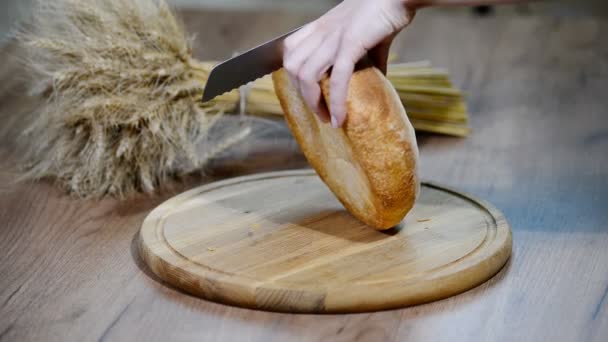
{"points": [[379, 54]]}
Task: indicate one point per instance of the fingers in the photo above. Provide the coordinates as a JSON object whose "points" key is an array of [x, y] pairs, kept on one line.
{"points": [[295, 60], [290, 46], [296, 56], [296, 38], [302, 78], [307, 62], [338, 40], [338, 89], [379, 54], [350, 52], [313, 70]]}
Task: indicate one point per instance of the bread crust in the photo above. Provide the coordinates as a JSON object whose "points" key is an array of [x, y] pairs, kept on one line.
{"points": [[370, 164]]}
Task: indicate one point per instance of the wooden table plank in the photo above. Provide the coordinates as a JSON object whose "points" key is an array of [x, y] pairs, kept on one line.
{"points": [[537, 92]]}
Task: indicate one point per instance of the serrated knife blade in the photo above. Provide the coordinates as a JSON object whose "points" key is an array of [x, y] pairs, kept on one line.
{"points": [[246, 67]]}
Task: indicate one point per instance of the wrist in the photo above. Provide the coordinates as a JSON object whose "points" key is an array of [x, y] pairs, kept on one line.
{"points": [[415, 4]]}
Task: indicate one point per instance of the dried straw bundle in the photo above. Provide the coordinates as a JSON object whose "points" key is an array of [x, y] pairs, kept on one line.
{"points": [[123, 111], [432, 103]]}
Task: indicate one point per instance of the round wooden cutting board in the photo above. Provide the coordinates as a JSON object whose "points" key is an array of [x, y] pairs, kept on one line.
{"points": [[282, 242]]}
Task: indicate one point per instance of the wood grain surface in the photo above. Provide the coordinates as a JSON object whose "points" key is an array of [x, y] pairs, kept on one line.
{"points": [[536, 85], [281, 241]]}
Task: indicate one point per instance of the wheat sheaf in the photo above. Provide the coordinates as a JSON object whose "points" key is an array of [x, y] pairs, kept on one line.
{"points": [[123, 111]]}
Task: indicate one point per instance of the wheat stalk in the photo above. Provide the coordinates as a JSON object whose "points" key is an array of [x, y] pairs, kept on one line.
{"points": [[432, 103], [123, 111]]}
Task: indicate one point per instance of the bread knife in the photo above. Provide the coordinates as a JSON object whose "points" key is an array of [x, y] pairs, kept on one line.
{"points": [[246, 67]]}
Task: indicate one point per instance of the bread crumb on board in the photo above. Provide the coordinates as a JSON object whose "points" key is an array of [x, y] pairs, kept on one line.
{"points": [[423, 220], [255, 226], [210, 249]]}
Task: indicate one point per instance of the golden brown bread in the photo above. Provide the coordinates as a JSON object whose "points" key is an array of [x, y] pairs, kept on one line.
{"points": [[370, 164]]}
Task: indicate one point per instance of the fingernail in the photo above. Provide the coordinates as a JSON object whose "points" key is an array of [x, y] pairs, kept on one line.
{"points": [[334, 122]]}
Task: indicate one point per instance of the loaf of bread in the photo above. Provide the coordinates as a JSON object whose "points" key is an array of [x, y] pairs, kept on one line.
{"points": [[370, 163]]}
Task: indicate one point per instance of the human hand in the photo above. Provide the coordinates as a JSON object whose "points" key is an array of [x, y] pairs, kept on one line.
{"points": [[338, 40]]}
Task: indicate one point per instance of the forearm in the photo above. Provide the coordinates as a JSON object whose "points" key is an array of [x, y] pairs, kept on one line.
{"points": [[437, 3]]}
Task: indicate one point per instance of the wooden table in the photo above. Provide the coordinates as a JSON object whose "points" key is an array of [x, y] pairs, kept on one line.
{"points": [[538, 96]]}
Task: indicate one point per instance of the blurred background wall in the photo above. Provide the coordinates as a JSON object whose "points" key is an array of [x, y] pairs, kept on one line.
{"points": [[14, 10]]}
